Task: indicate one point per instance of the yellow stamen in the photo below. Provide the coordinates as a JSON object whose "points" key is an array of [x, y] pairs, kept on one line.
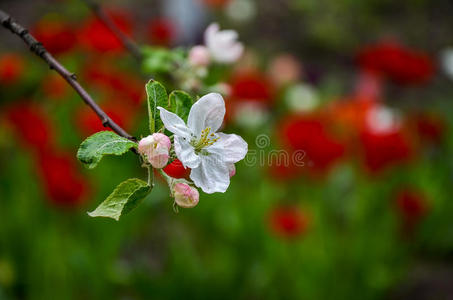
{"points": [[206, 139]]}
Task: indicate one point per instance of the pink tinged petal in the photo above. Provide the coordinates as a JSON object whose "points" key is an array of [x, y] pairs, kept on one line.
{"points": [[155, 149], [185, 195], [159, 161], [208, 111], [231, 147], [232, 170], [199, 56], [162, 139], [212, 175], [144, 144], [174, 124], [185, 153]]}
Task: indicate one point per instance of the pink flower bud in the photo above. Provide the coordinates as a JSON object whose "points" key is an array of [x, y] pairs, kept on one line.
{"points": [[232, 170], [185, 195], [199, 56], [155, 148]]}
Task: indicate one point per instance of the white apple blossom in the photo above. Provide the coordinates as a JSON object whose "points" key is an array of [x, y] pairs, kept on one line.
{"points": [[223, 45], [200, 147]]}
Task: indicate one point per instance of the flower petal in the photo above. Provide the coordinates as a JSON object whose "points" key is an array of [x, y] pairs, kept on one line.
{"points": [[223, 44], [231, 147], [210, 33], [208, 111], [230, 55], [185, 153], [212, 175], [174, 123]]}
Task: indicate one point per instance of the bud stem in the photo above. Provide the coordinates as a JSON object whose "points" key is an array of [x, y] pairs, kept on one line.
{"points": [[150, 176]]}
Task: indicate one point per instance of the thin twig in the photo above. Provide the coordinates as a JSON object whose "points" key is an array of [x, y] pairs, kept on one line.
{"points": [[127, 42], [38, 49]]}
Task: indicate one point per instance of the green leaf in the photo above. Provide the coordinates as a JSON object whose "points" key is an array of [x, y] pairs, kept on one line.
{"points": [[123, 199], [180, 104], [162, 60], [102, 143], [157, 96]]}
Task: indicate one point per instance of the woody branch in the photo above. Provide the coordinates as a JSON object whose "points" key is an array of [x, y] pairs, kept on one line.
{"points": [[127, 42], [37, 48]]}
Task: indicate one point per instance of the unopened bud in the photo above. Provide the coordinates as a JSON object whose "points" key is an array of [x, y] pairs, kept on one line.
{"points": [[199, 56], [185, 195], [155, 148], [231, 170]]}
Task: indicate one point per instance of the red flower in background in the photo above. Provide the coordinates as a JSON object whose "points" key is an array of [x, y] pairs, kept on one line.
{"points": [[349, 115], [55, 87], [284, 172], [412, 206], [11, 68], [61, 179], [310, 134], [161, 32], [175, 169], [384, 149], [57, 36], [117, 82], [252, 86], [394, 61], [368, 87], [430, 128], [88, 122], [31, 124], [288, 222], [99, 38]]}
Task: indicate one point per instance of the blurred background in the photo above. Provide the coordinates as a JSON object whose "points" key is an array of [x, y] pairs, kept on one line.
{"points": [[362, 89]]}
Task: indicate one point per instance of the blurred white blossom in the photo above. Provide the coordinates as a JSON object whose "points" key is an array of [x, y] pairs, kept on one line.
{"points": [[223, 44]]}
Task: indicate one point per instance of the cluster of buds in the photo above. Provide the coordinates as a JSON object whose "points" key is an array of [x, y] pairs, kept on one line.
{"points": [[198, 145], [155, 150]]}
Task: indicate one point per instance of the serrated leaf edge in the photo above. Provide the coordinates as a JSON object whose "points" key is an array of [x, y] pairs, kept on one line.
{"points": [[91, 165], [91, 213]]}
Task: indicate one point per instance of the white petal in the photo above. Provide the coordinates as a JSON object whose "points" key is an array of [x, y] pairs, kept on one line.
{"points": [[212, 175], [227, 37], [223, 44], [208, 111], [230, 54], [231, 147], [210, 33], [185, 153], [174, 123]]}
